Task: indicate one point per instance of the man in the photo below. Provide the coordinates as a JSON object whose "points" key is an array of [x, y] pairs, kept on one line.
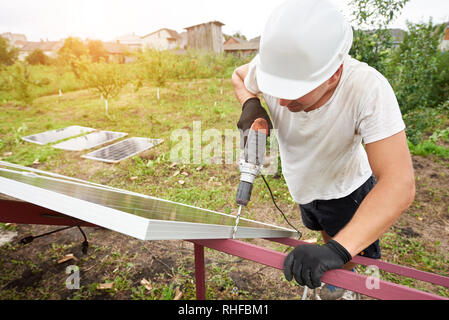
{"points": [[325, 105]]}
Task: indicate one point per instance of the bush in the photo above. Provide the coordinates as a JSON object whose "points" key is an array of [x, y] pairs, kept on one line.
{"points": [[7, 55], [37, 57], [20, 81], [373, 41], [159, 67], [414, 68], [440, 90]]}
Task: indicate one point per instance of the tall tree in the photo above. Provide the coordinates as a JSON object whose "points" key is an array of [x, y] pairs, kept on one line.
{"points": [[37, 57], [8, 54], [96, 50], [372, 38], [105, 79], [72, 53]]}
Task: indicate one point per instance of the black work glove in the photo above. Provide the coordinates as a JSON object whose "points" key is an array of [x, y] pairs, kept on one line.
{"points": [[251, 110], [308, 262]]}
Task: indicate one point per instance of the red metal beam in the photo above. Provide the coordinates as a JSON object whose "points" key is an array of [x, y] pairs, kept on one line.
{"points": [[22, 212], [382, 265], [341, 278], [200, 276], [26, 213]]}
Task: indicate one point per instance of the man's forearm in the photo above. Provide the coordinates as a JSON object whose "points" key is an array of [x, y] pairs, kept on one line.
{"points": [[240, 90], [379, 210]]}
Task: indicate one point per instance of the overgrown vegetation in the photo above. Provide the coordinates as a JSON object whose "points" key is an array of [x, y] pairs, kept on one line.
{"points": [[192, 88], [415, 66], [413, 63]]}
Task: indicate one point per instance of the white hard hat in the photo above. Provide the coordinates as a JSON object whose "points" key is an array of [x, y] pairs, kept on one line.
{"points": [[303, 44]]}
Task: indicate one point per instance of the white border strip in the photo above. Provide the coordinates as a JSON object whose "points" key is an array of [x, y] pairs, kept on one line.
{"points": [[99, 186], [131, 225], [116, 220]]}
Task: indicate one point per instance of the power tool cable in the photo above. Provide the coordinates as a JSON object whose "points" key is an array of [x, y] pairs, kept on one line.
{"points": [[277, 207]]}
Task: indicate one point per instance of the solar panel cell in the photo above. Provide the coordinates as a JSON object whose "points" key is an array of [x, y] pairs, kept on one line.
{"points": [[134, 214], [123, 149], [56, 135], [91, 140]]}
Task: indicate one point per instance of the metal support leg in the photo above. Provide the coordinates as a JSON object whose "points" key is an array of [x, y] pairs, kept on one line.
{"points": [[200, 277]]}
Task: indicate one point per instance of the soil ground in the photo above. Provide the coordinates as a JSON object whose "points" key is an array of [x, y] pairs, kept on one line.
{"points": [[165, 269]]}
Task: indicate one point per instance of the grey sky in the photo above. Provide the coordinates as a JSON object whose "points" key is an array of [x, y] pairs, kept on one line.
{"points": [[107, 19]]}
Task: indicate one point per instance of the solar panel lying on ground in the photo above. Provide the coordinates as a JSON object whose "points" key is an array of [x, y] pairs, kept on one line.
{"points": [[121, 150], [90, 140], [137, 215], [56, 135]]}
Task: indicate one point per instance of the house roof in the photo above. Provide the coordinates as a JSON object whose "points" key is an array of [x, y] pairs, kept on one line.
{"points": [[19, 43], [113, 47], [13, 37], [173, 34], [210, 22], [236, 39], [44, 46], [242, 46], [129, 39]]}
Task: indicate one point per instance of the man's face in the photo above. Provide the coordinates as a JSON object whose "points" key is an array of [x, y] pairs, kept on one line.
{"points": [[309, 101], [316, 98]]}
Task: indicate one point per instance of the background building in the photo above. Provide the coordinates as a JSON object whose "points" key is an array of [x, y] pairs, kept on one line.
{"points": [[162, 39], [206, 36]]}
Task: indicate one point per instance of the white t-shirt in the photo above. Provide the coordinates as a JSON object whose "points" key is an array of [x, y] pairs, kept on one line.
{"points": [[321, 151]]}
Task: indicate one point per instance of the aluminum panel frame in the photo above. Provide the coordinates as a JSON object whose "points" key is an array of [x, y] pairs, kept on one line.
{"points": [[131, 224]]}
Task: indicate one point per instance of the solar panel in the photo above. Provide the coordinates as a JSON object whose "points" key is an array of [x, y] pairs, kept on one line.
{"points": [[137, 215], [122, 150], [90, 140], [56, 135]]}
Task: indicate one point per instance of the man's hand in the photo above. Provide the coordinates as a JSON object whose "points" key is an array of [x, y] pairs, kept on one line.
{"points": [[251, 110], [307, 263]]}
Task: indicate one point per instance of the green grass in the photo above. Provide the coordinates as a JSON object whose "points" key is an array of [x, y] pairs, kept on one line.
{"points": [[413, 253], [210, 186], [433, 145], [66, 81]]}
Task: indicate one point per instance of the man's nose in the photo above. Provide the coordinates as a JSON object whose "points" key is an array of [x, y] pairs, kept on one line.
{"points": [[284, 102]]}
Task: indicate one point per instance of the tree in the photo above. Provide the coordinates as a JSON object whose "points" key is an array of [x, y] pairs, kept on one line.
{"points": [[239, 35], [73, 46], [71, 53], [37, 57], [380, 13], [96, 50], [21, 82], [373, 39], [105, 79], [159, 66], [8, 55], [417, 69]]}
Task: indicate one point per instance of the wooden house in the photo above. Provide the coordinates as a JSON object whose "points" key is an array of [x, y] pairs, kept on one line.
{"points": [[206, 36]]}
